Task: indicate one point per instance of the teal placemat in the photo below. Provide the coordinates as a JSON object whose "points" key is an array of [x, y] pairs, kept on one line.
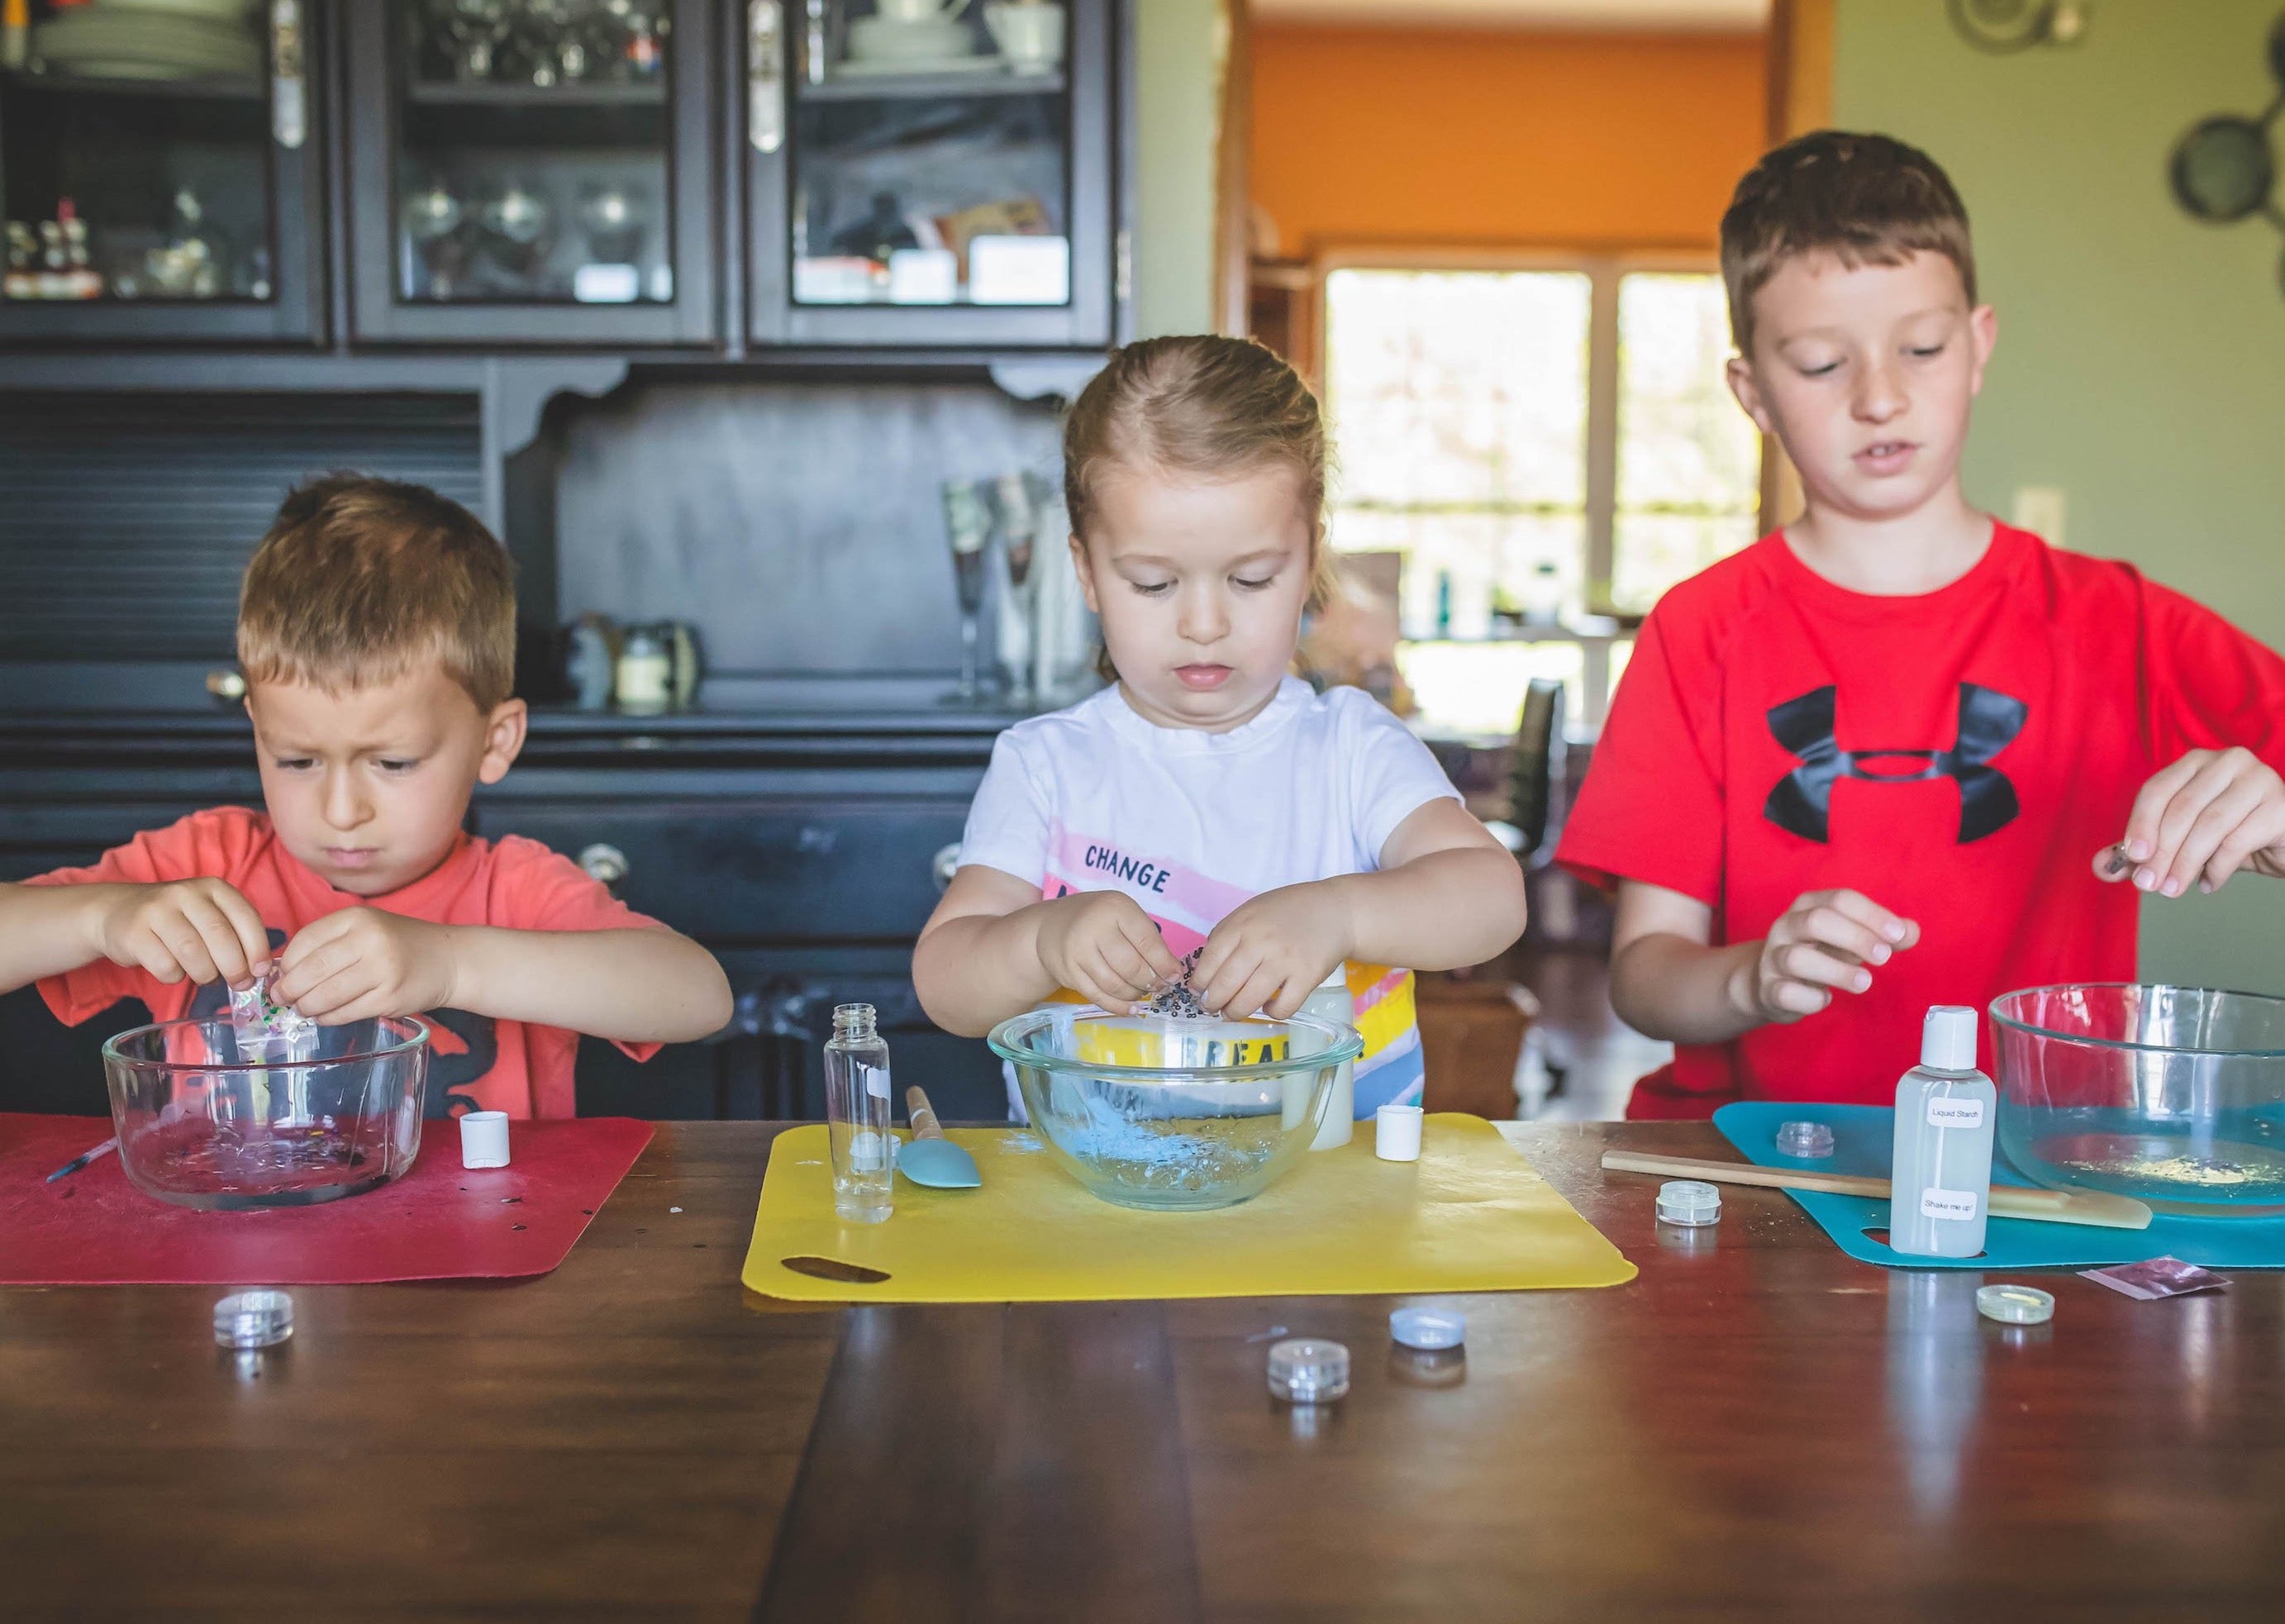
{"points": [[1863, 1136]]}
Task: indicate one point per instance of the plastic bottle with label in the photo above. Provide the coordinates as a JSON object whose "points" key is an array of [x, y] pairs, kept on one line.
{"points": [[1941, 1176]]}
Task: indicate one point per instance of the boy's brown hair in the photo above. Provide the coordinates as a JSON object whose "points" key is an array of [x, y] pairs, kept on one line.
{"points": [[1865, 200], [360, 580]]}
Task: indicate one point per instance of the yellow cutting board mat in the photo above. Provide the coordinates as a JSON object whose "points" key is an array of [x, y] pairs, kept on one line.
{"points": [[1470, 1215]]}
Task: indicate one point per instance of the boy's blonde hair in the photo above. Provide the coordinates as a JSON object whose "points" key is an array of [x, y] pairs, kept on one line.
{"points": [[1865, 200], [1210, 407], [360, 580]]}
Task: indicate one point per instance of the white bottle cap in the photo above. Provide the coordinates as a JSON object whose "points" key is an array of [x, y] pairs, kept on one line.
{"points": [[1948, 1039], [1396, 1132], [483, 1139]]}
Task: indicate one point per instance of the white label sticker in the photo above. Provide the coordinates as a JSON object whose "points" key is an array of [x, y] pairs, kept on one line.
{"points": [[1955, 1113], [876, 1081], [1951, 1204]]}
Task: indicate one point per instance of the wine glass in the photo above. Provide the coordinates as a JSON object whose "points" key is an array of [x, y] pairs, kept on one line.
{"points": [[968, 527]]}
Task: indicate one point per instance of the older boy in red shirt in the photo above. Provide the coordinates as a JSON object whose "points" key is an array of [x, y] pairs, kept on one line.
{"points": [[1898, 753], [377, 631]]}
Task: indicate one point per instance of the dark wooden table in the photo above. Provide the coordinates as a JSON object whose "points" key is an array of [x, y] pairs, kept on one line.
{"points": [[1756, 1428]]}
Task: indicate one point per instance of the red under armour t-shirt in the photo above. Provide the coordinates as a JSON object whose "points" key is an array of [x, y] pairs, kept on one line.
{"points": [[477, 1063], [1960, 757]]}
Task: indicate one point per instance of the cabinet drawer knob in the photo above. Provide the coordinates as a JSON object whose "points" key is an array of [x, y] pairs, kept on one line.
{"points": [[944, 865], [226, 684], [606, 865]]}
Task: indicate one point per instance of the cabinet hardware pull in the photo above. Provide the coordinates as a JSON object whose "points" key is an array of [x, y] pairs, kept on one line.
{"points": [[289, 95], [606, 865], [944, 865], [226, 684], [766, 75]]}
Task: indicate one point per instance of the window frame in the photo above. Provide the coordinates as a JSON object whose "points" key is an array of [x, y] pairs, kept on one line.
{"points": [[1604, 268]]}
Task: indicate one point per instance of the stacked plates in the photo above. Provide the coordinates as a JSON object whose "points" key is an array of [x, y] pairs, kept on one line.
{"points": [[887, 44], [151, 39]]}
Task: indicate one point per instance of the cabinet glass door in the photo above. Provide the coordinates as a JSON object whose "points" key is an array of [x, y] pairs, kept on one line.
{"points": [[156, 174], [533, 170], [930, 170]]}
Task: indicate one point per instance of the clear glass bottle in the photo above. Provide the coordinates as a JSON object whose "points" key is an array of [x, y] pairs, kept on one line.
{"points": [[857, 1098], [1941, 1174]]}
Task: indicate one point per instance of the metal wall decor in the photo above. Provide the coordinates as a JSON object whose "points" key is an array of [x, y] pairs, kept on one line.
{"points": [[2225, 169], [2004, 26]]}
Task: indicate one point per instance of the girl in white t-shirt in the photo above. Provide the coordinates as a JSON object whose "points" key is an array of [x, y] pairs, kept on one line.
{"points": [[1207, 800]]}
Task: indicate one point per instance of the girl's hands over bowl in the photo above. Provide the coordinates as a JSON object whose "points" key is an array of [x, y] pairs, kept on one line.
{"points": [[1271, 952], [1105, 948], [362, 963]]}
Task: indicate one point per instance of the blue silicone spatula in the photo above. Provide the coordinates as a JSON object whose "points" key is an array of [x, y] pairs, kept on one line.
{"points": [[928, 1157]]}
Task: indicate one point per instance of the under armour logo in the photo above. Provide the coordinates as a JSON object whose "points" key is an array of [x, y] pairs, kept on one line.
{"points": [[1802, 803]]}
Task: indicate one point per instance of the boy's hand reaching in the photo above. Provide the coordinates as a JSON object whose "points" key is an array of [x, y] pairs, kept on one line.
{"points": [[1271, 952], [361, 963], [201, 929], [1819, 946], [2198, 821], [1105, 947]]}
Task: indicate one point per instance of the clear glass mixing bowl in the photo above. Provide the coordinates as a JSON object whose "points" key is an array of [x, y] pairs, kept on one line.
{"points": [[201, 1124], [1171, 1114], [2173, 1096]]}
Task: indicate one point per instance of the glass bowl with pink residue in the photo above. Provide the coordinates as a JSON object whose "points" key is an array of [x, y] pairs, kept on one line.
{"points": [[204, 1121]]}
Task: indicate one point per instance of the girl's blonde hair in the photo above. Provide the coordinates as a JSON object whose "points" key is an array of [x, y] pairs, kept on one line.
{"points": [[1207, 406]]}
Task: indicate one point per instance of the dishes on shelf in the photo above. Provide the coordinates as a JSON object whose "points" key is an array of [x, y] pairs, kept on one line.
{"points": [[918, 44], [138, 39], [897, 68]]}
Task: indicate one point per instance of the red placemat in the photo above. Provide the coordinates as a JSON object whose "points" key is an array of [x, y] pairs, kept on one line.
{"points": [[440, 1221]]}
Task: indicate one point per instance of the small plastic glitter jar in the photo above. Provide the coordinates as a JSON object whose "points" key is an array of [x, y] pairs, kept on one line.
{"points": [[2015, 1304], [1428, 1329], [253, 1319], [1808, 1140], [1690, 1203], [1309, 1370]]}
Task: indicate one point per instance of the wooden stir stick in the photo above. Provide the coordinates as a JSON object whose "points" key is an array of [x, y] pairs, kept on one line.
{"points": [[2046, 1206]]}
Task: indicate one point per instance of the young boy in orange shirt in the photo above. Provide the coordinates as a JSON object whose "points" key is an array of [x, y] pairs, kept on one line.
{"points": [[1897, 754], [377, 631]]}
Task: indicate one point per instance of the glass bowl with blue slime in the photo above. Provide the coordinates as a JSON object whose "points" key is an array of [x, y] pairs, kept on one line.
{"points": [[208, 1116], [1173, 1113], [2172, 1095]]}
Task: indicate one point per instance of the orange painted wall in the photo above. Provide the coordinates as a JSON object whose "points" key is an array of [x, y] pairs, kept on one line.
{"points": [[1447, 137]]}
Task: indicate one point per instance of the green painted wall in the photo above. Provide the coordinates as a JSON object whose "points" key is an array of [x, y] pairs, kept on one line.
{"points": [[2142, 358], [1179, 49]]}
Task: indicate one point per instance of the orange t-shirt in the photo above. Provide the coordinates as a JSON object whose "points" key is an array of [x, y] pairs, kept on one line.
{"points": [[477, 1063]]}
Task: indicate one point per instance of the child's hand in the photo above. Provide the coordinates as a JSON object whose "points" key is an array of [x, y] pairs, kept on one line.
{"points": [[2198, 821], [199, 928], [1272, 953], [1105, 947], [361, 963], [1821, 946]]}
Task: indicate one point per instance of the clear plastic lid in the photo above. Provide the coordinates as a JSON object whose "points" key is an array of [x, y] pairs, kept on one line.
{"points": [[1309, 1370], [2012, 1305], [1689, 1201], [253, 1319], [1810, 1141]]}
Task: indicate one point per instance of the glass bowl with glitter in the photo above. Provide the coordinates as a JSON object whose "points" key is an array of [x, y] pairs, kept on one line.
{"points": [[1173, 1111], [2173, 1096], [208, 1115]]}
